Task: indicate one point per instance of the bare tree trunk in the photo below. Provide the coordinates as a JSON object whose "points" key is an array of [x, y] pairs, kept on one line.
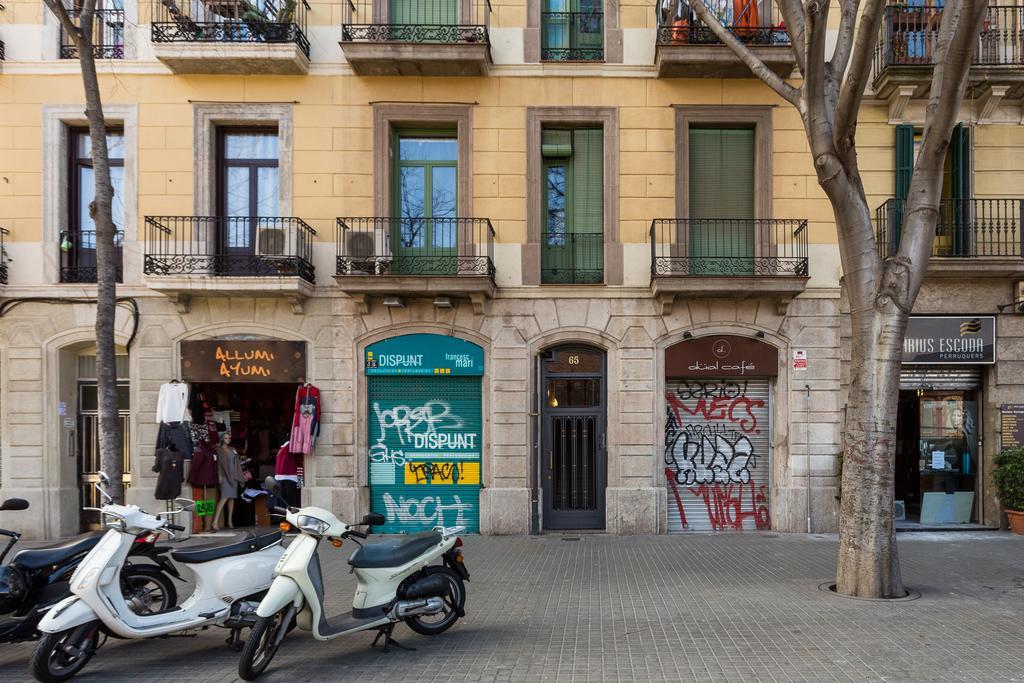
{"points": [[101, 212]]}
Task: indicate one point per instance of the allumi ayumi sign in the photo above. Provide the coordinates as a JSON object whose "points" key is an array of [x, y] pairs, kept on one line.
{"points": [[218, 360], [951, 340], [424, 354]]}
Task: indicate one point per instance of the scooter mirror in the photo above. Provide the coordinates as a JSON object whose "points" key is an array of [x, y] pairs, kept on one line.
{"points": [[14, 504], [104, 479], [271, 484], [186, 504], [373, 519]]}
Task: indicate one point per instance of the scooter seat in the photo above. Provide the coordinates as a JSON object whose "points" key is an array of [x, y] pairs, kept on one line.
{"points": [[58, 553], [394, 552], [248, 541]]}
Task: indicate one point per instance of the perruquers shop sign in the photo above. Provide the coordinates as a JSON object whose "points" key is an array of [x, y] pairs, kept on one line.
{"points": [[951, 340]]}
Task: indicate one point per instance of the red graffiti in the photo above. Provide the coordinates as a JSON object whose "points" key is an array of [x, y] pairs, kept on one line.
{"points": [[671, 477], [737, 409], [726, 505]]}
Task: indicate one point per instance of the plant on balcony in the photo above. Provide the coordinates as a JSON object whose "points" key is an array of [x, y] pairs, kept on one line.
{"points": [[1009, 479], [836, 69]]}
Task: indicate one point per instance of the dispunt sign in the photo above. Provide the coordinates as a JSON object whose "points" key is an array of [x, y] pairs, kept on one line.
{"points": [[231, 360]]}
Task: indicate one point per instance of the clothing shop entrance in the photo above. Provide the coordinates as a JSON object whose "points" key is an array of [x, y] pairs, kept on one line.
{"points": [[574, 443], [938, 447], [242, 398], [425, 428]]}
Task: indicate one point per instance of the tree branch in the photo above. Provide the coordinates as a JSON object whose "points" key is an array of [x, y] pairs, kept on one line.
{"points": [[793, 14], [856, 79], [784, 90], [844, 41], [66, 22]]}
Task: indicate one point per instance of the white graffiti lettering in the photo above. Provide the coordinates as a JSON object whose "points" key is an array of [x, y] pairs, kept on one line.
{"points": [[699, 460], [424, 419], [430, 510], [380, 453]]}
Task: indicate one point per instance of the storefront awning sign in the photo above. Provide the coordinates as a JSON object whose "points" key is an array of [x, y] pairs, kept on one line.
{"points": [[950, 340], [424, 354], [722, 355], [237, 360]]}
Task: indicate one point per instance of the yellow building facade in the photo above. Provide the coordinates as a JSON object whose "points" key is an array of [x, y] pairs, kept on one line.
{"points": [[623, 224]]}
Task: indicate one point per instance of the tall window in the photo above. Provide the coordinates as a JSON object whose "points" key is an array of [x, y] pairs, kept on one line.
{"points": [[721, 201], [572, 31], [572, 243], [78, 242], [249, 190], [424, 205]]}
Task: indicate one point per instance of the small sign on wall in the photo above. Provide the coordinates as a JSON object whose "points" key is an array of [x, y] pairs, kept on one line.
{"points": [[799, 360]]}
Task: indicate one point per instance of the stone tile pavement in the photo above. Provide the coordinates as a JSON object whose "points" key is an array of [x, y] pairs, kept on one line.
{"points": [[654, 608]]}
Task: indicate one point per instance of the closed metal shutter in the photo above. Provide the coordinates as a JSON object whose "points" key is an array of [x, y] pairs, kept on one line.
{"points": [[933, 377], [717, 454], [425, 444]]}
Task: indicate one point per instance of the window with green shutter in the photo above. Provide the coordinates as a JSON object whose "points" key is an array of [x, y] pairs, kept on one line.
{"points": [[422, 13], [572, 30], [721, 201], [572, 240]]}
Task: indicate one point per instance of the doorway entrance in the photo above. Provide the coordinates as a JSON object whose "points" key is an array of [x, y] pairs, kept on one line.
{"points": [[573, 467], [87, 446]]}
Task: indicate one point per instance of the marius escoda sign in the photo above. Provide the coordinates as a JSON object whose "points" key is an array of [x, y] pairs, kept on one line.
{"points": [[950, 340]]}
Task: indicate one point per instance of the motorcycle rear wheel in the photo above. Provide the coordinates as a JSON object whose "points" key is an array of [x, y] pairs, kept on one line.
{"points": [[260, 648], [435, 624], [147, 590], [51, 661]]}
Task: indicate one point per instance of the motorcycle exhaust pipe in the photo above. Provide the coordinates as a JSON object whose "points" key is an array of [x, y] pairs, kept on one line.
{"points": [[411, 608]]}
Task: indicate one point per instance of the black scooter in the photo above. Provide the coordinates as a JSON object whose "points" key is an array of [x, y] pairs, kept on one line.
{"points": [[38, 578]]}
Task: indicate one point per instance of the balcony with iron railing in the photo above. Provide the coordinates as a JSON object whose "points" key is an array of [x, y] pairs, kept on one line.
{"points": [[3, 255], [415, 257], [229, 255], [572, 258], [687, 48], [974, 237], [232, 36], [78, 262], [572, 36], [107, 34], [422, 38], [728, 256], [908, 42]]}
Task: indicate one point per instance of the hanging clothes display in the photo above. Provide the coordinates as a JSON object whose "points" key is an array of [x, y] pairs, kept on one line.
{"points": [[172, 403], [170, 466], [286, 470], [175, 436], [306, 419]]}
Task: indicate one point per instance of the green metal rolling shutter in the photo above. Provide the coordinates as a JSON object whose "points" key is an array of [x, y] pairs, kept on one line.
{"points": [[423, 481]]}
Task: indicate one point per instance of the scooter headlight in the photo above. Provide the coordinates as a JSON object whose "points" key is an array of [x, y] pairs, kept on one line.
{"points": [[312, 525]]}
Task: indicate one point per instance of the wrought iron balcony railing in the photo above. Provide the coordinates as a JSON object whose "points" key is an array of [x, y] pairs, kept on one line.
{"points": [[755, 24], [229, 246], [572, 258], [728, 247], [3, 54], [967, 228], [424, 21], [107, 34], [78, 255], [910, 36], [231, 21], [572, 36], [415, 246], [3, 255]]}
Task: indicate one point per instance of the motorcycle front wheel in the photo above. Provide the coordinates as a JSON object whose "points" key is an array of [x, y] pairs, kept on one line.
{"points": [[454, 602], [262, 645], [60, 656]]}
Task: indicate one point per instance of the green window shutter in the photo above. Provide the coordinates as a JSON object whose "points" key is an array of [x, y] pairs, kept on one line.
{"points": [[904, 160], [959, 150], [556, 144], [588, 180]]}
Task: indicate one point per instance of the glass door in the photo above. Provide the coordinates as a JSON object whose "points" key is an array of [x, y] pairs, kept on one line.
{"points": [[947, 455], [78, 243], [425, 228], [249, 191]]}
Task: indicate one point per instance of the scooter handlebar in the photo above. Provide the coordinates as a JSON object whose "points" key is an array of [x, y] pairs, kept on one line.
{"points": [[357, 534], [174, 527]]}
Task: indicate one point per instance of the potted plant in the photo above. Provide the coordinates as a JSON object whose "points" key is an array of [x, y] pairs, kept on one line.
{"points": [[1009, 479]]}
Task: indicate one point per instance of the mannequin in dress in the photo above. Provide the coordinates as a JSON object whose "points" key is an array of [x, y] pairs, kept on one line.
{"points": [[230, 469]]}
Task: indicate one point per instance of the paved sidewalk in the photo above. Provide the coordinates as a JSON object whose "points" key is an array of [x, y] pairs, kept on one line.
{"points": [[656, 608]]}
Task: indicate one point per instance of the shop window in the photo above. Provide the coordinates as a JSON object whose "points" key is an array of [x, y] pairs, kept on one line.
{"points": [[78, 241], [572, 236]]}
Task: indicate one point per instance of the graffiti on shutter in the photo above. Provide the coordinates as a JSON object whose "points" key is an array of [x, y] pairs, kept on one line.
{"points": [[424, 452], [717, 459]]}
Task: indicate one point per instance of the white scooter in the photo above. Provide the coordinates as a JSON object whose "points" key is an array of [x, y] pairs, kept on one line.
{"points": [[395, 583], [231, 578]]}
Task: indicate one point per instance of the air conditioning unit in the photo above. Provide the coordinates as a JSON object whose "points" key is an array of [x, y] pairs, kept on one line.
{"points": [[899, 512], [271, 242], [363, 255]]}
